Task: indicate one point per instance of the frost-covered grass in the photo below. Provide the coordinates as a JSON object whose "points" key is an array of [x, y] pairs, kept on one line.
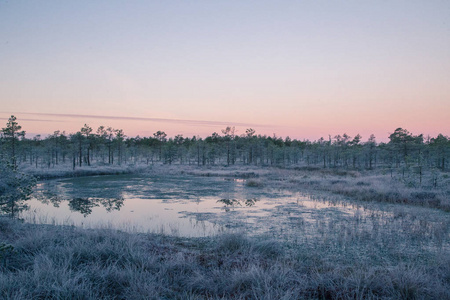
{"points": [[366, 185], [66, 170], [62, 262], [237, 171]]}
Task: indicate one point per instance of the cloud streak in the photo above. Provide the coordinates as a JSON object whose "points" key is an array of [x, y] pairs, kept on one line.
{"points": [[35, 120], [161, 120]]}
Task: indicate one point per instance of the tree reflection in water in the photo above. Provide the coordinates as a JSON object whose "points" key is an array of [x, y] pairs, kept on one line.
{"points": [[112, 203], [82, 205], [231, 203], [85, 205], [54, 193], [250, 202], [47, 194]]}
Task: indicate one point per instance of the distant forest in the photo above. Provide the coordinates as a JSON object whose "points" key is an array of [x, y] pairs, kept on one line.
{"points": [[108, 146]]}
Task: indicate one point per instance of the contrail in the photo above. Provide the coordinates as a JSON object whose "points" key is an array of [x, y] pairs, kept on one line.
{"points": [[35, 120], [180, 121]]}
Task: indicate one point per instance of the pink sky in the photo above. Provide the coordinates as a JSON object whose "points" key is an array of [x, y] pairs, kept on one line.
{"points": [[300, 69]]}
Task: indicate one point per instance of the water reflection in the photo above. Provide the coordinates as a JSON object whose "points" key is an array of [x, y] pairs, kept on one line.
{"points": [[232, 203], [85, 205], [250, 202], [179, 205], [112, 204], [82, 205], [48, 194], [183, 205]]}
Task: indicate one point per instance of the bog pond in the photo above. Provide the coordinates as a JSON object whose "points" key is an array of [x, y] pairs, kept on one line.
{"points": [[195, 206]]}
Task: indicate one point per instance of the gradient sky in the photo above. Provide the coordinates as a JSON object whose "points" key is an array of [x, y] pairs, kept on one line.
{"points": [[300, 68]]}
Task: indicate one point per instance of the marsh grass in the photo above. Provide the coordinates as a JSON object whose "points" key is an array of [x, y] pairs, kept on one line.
{"points": [[254, 183], [366, 186], [65, 262], [95, 170]]}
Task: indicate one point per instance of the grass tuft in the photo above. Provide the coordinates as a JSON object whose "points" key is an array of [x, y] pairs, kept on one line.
{"points": [[254, 183]]}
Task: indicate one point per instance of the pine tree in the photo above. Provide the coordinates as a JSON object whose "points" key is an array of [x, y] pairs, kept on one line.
{"points": [[11, 133]]}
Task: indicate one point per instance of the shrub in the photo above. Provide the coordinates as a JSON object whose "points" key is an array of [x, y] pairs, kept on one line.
{"points": [[254, 183]]}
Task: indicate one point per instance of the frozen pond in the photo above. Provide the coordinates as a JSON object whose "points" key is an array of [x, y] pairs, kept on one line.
{"points": [[181, 205]]}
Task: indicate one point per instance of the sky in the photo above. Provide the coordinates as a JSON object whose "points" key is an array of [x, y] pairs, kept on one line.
{"points": [[304, 69]]}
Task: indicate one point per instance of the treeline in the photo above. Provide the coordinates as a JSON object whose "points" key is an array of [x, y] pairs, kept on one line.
{"points": [[108, 146]]}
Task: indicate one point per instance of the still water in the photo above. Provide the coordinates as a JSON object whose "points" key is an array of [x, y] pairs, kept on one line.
{"points": [[177, 205]]}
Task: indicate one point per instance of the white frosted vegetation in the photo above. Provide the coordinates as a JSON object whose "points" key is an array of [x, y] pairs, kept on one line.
{"points": [[66, 262]]}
